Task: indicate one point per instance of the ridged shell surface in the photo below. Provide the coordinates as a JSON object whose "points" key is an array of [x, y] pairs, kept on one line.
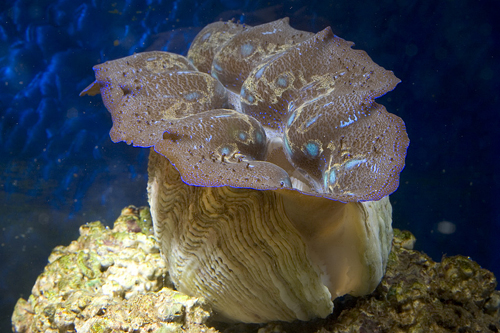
{"points": [[243, 251], [236, 247]]}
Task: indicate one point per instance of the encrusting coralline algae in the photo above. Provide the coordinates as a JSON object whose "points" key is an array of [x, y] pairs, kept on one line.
{"points": [[114, 280], [109, 280]]}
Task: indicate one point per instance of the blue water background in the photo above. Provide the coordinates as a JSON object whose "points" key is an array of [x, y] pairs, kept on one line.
{"points": [[59, 168]]}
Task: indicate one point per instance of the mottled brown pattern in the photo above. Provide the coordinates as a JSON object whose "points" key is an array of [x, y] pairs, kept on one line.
{"points": [[308, 99], [146, 90], [242, 53], [209, 41]]}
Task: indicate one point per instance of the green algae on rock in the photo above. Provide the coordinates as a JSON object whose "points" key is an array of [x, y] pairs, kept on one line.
{"points": [[103, 282], [420, 295], [109, 280]]}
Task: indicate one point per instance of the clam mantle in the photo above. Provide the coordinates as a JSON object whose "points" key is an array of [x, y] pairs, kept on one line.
{"points": [[270, 165]]}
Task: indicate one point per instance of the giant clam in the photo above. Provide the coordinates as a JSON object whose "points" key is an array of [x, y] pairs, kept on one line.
{"points": [[270, 166]]}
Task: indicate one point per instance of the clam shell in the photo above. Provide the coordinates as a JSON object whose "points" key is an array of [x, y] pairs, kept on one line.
{"points": [[259, 256]]}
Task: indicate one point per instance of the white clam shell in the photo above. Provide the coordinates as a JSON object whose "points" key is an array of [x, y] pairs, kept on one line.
{"points": [[259, 256]]}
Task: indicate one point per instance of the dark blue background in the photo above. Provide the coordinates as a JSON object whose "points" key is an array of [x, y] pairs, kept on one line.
{"points": [[59, 168]]}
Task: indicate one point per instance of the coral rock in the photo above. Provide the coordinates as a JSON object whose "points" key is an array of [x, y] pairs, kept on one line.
{"points": [[109, 281], [416, 294]]}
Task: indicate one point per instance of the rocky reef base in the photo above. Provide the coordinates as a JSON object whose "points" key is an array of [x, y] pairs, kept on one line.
{"points": [[114, 280]]}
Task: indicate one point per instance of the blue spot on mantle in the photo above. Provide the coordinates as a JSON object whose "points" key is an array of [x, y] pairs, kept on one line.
{"points": [[246, 49], [312, 149]]}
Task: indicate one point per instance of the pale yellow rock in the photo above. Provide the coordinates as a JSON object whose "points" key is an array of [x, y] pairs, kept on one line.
{"points": [[109, 280]]}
